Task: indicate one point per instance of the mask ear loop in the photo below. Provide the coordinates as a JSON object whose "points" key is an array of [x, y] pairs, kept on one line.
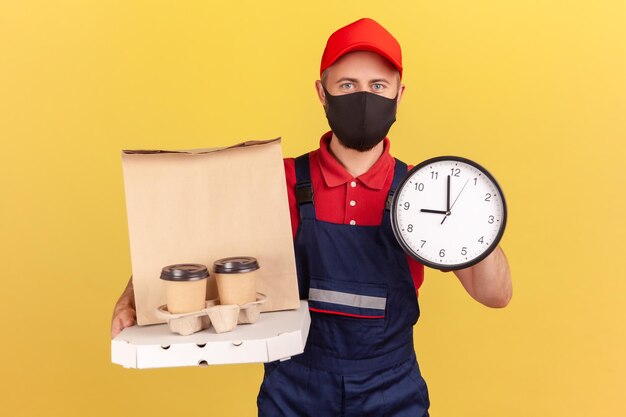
{"points": [[326, 94]]}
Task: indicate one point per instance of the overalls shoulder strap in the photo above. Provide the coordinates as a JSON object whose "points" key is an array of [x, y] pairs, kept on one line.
{"points": [[304, 188], [398, 175]]}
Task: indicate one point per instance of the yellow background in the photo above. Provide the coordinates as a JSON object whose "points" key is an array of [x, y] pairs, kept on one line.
{"points": [[533, 90]]}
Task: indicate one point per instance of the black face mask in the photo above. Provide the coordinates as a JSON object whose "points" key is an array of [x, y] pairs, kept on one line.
{"points": [[360, 120]]}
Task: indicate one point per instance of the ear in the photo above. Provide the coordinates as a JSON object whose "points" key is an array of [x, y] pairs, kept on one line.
{"points": [[320, 92], [400, 93]]}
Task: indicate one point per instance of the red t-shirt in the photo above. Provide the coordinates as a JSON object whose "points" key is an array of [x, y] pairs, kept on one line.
{"points": [[344, 199]]}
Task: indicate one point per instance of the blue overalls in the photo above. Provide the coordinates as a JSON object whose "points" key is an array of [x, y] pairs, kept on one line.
{"points": [[359, 359]]}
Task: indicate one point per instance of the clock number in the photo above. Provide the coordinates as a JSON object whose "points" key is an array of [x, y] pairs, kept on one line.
{"points": [[409, 228], [487, 197], [481, 240], [423, 243], [407, 205], [475, 181], [419, 186], [491, 220], [455, 172], [434, 175], [463, 251], [442, 253]]}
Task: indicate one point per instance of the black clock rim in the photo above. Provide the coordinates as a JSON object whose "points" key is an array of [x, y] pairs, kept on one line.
{"points": [[425, 262]]}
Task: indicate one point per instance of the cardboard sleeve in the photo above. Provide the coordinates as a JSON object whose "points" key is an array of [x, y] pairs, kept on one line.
{"points": [[200, 205]]}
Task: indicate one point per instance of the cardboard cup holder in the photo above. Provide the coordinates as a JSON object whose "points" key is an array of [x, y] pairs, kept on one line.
{"points": [[223, 317]]}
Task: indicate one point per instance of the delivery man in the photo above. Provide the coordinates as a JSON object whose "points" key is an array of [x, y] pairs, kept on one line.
{"points": [[359, 359]]}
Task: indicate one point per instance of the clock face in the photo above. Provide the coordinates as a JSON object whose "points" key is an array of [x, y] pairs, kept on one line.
{"points": [[448, 213]]}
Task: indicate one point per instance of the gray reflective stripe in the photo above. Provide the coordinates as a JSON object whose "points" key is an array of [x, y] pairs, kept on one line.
{"points": [[347, 299]]}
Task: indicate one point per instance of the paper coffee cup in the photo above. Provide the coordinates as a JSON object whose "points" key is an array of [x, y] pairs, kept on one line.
{"points": [[236, 279], [185, 287]]}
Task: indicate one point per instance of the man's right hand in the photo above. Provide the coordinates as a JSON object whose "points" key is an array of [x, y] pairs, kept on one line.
{"points": [[124, 314], [123, 317]]}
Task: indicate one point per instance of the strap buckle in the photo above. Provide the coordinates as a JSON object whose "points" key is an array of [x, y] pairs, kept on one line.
{"points": [[389, 201], [304, 192]]}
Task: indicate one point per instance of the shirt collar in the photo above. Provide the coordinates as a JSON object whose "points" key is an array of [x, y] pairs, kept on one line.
{"points": [[335, 174]]}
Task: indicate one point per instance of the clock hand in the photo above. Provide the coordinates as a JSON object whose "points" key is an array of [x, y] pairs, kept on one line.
{"points": [[447, 213], [457, 197], [434, 211], [448, 195]]}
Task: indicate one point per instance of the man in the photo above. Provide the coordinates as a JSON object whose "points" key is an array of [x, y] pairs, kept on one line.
{"points": [[362, 288]]}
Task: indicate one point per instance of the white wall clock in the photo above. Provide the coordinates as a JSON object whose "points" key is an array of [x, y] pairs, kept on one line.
{"points": [[448, 213]]}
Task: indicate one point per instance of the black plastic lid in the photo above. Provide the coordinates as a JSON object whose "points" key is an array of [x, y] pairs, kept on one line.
{"points": [[184, 272], [235, 265]]}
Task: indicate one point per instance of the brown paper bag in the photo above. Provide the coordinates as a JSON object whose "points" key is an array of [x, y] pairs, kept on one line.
{"points": [[200, 205]]}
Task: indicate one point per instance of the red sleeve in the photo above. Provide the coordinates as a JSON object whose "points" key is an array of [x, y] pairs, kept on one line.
{"points": [[290, 176], [417, 272]]}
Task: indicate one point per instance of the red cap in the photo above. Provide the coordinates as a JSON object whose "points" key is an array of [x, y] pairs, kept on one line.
{"points": [[362, 35]]}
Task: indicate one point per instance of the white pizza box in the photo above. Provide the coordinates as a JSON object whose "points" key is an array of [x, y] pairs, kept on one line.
{"points": [[276, 335]]}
